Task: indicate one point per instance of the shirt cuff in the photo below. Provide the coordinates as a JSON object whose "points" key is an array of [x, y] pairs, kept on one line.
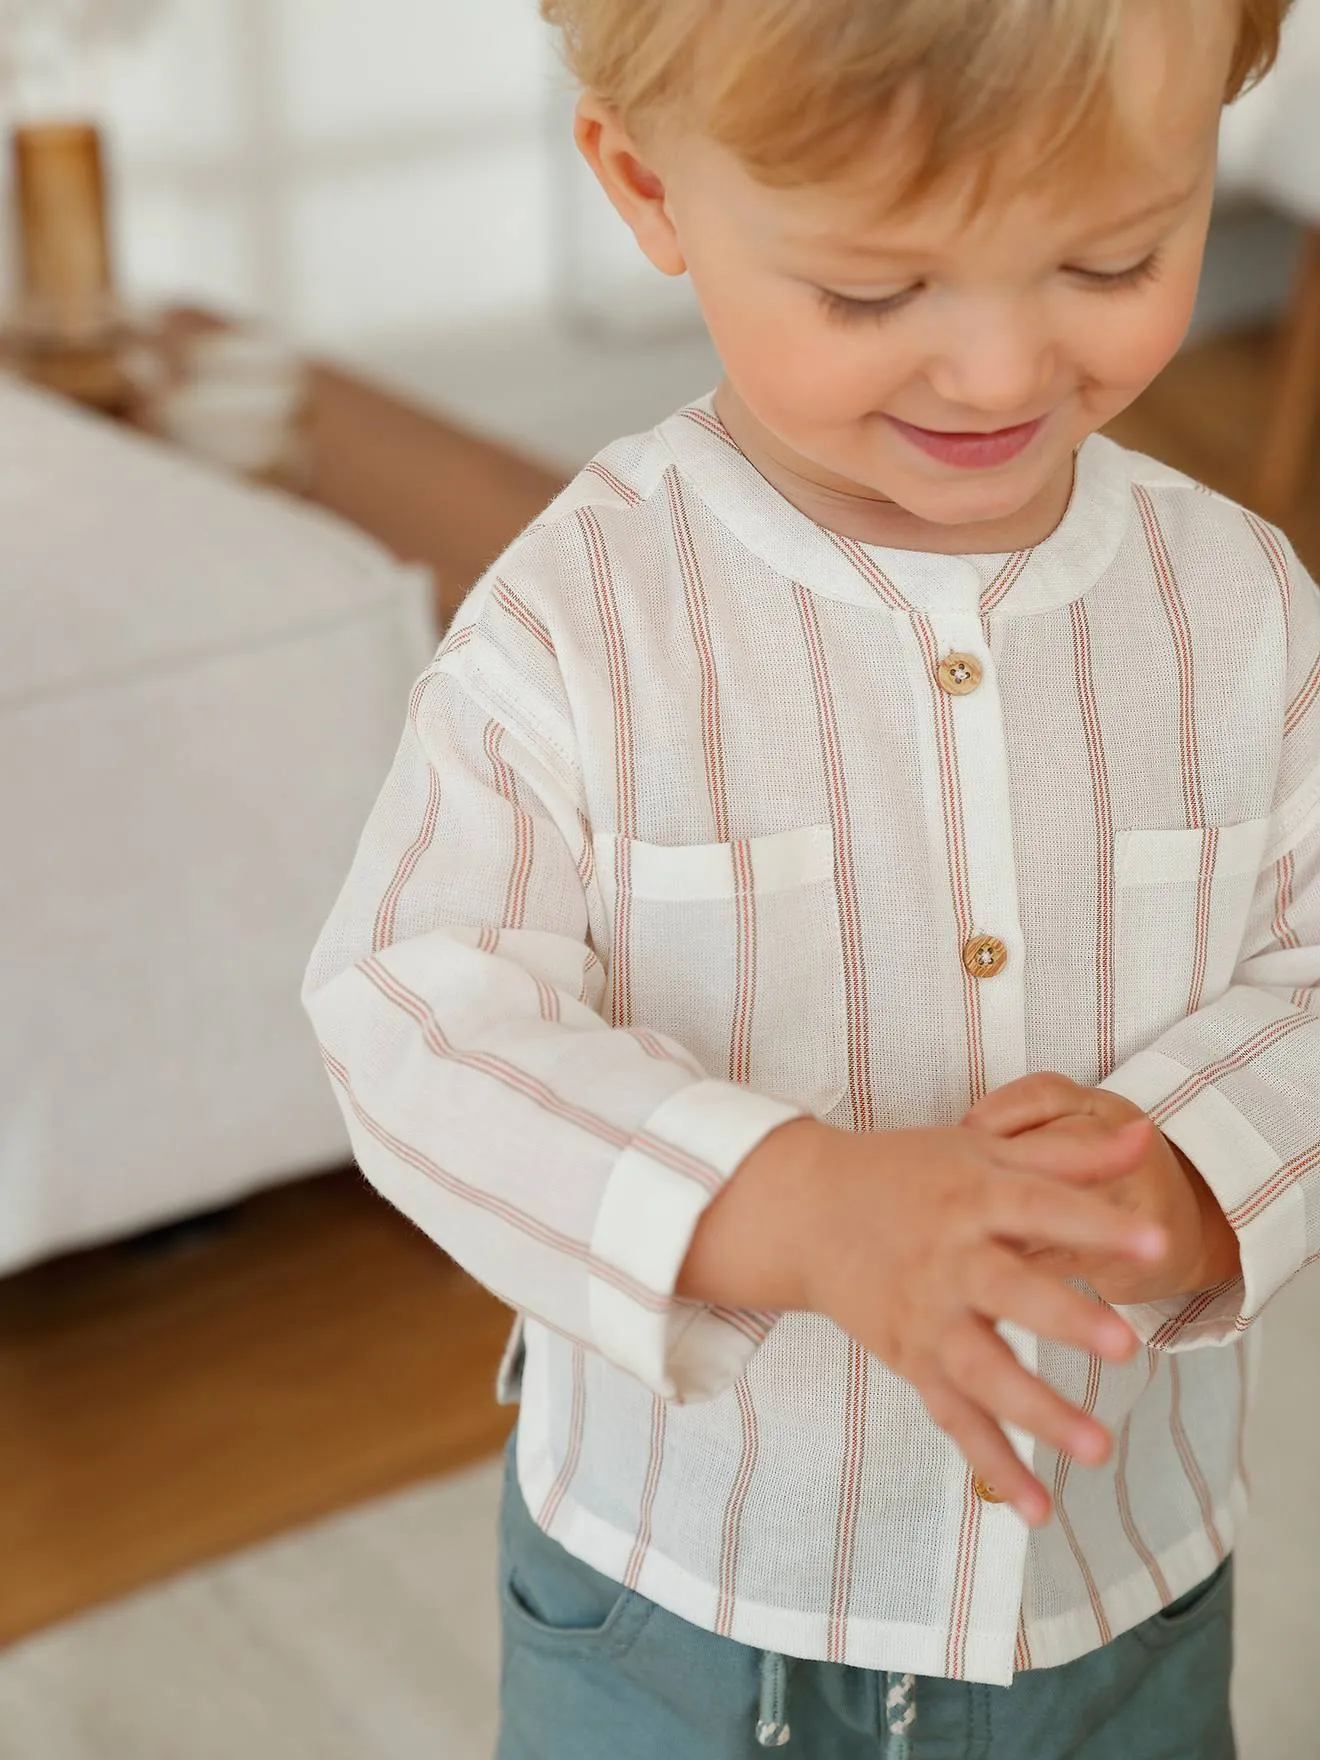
{"points": [[1239, 1167], [662, 1183]]}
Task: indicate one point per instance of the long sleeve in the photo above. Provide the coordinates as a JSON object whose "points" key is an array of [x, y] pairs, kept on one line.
{"points": [[1236, 1085], [457, 998]]}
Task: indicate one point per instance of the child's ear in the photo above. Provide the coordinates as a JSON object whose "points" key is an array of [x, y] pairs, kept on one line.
{"points": [[629, 181]]}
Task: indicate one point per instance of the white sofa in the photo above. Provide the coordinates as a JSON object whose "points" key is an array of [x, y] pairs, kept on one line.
{"points": [[201, 687]]}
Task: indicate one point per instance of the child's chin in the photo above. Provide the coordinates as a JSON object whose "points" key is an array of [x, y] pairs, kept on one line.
{"points": [[951, 497]]}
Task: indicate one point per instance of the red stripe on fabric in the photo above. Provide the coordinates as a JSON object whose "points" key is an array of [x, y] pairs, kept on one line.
{"points": [[698, 614], [1283, 931], [519, 1081], [854, 973], [712, 425], [586, 861], [1303, 700], [548, 999], [1104, 840], [617, 661], [624, 761], [505, 597], [740, 1045], [573, 1451], [383, 931], [1204, 892], [1063, 1464], [621, 965], [1175, 611], [387, 915], [850, 1491], [1288, 1175], [520, 872], [752, 1324], [733, 1513], [1263, 1040], [969, 1536], [870, 571], [525, 1224], [655, 1047], [1193, 1310], [1135, 1538], [1278, 561], [1021, 1646], [654, 1466], [1004, 582], [1195, 1477], [624, 491], [458, 638], [1243, 1321]]}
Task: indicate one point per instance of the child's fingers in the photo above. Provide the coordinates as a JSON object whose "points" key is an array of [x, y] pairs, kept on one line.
{"points": [[1090, 1153], [987, 1450], [1036, 1212], [1028, 1103], [1003, 1286], [982, 1366]]}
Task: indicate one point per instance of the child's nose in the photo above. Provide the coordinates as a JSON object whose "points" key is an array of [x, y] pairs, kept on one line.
{"points": [[998, 364]]}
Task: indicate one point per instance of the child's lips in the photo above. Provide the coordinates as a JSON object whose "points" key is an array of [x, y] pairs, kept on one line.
{"points": [[971, 451]]}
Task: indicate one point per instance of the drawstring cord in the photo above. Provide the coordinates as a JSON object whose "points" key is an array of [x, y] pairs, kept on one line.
{"points": [[772, 1726], [900, 1714], [772, 1730]]}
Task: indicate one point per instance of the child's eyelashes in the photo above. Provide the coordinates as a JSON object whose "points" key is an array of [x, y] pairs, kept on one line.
{"points": [[849, 309], [1115, 280]]}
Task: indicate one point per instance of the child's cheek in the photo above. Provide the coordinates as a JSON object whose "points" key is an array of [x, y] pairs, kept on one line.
{"points": [[1142, 345], [788, 361]]}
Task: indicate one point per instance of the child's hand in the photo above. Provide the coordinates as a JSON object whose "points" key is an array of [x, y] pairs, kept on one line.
{"points": [[911, 1242], [1164, 1188]]}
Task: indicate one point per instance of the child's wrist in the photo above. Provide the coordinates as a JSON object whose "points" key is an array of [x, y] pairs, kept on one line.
{"points": [[1221, 1253], [749, 1249]]}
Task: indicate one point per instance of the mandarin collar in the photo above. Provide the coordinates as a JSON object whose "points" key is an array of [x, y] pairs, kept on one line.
{"points": [[1052, 573]]}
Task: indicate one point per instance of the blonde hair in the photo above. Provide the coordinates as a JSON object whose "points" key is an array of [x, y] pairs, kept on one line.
{"points": [[794, 87]]}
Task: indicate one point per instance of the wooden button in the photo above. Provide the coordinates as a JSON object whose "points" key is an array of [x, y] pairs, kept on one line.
{"points": [[984, 955], [986, 1492], [959, 674]]}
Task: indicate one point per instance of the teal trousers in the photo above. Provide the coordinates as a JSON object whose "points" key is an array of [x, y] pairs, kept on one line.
{"points": [[593, 1671]]}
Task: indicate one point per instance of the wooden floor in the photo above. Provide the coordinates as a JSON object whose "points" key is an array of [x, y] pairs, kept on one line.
{"points": [[162, 1406]]}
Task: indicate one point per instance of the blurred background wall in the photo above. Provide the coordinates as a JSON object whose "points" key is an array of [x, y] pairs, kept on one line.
{"points": [[355, 171], [394, 182]]}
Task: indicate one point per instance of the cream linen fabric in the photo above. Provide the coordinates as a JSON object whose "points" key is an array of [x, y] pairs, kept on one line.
{"points": [[683, 837]]}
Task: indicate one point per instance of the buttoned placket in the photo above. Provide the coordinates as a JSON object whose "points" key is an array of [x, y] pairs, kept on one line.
{"points": [[962, 705]]}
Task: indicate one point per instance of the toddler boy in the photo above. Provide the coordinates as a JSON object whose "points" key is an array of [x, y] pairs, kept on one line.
{"points": [[836, 949]]}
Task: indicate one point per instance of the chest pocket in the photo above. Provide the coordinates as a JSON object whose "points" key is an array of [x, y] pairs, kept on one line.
{"points": [[1181, 904], [734, 950]]}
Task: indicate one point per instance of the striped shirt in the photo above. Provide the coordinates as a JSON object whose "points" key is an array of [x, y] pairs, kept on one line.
{"points": [[695, 815]]}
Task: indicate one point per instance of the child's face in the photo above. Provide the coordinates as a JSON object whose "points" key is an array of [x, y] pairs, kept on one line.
{"points": [[867, 348]]}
